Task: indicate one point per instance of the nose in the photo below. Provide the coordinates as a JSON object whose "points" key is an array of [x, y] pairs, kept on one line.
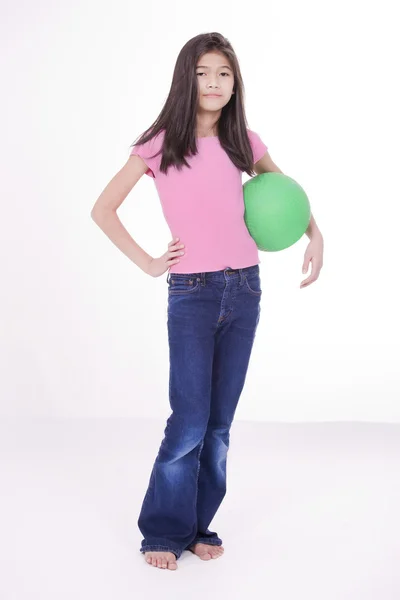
{"points": [[212, 81]]}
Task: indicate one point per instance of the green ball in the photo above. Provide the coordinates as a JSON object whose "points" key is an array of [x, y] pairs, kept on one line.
{"points": [[277, 211]]}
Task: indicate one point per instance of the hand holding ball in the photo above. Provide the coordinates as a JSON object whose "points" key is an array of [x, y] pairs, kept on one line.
{"points": [[277, 211]]}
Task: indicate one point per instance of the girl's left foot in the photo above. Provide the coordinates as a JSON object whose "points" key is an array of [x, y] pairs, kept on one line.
{"points": [[206, 551]]}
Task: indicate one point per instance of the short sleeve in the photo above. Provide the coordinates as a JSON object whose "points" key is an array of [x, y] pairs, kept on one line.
{"points": [[146, 152], [257, 145]]}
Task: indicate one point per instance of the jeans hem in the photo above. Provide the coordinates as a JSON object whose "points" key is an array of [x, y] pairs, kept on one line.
{"points": [[208, 541]]}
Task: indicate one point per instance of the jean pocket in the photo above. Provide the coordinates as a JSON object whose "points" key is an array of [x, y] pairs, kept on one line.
{"points": [[253, 284], [183, 285]]}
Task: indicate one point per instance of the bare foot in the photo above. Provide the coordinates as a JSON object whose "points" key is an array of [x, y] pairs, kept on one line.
{"points": [[163, 560], [207, 551]]}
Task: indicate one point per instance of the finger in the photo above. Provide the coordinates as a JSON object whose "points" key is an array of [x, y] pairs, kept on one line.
{"points": [[176, 252], [176, 247], [174, 241], [307, 282], [172, 261], [314, 266], [173, 257], [311, 275], [169, 255], [315, 270]]}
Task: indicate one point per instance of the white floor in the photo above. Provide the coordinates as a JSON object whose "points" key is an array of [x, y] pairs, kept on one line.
{"points": [[312, 512]]}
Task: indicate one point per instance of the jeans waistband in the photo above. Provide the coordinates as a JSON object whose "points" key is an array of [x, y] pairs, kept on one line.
{"points": [[227, 273]]}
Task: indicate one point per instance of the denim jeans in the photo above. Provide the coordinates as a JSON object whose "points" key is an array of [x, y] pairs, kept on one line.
{"points": [[212, 321]]}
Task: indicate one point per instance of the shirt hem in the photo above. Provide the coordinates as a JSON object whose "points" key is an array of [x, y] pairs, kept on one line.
{"points": [[212, 269]]}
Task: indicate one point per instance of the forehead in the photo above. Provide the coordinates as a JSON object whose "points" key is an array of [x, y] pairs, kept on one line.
{"points": [[214, 59]]}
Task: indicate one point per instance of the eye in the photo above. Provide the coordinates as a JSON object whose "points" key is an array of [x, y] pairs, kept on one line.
{"points": [[202, 73]]}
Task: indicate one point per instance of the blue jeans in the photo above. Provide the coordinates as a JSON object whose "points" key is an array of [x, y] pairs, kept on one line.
{"points": [[212, 320]]}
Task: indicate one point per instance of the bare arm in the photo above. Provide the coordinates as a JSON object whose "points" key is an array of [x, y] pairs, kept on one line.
{"points": [[267, 165], [104, 211]]}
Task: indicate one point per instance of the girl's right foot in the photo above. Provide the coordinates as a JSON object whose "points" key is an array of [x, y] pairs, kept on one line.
{"points": [[163, 560]]}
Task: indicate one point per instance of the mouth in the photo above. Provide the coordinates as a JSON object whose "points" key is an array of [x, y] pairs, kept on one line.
{"points": [[212, 95]]}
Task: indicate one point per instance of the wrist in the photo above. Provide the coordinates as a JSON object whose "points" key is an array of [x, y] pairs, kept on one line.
{"points": [[144, 263], [147, 265]]}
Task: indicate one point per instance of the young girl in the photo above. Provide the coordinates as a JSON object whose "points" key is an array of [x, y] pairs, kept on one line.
{"points": [[196, 152]]}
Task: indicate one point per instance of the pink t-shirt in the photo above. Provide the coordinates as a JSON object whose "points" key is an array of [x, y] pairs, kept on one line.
{"points": [[204, 206]]}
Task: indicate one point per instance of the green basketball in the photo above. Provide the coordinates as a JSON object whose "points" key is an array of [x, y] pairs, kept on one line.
{"points": [[277, 211]]}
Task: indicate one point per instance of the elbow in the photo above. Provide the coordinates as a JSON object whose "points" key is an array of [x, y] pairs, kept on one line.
{"points": [[96, 214], [99, 215]]}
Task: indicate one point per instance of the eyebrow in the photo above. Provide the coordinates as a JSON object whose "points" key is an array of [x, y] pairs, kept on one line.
{"points": [[205, 67]]}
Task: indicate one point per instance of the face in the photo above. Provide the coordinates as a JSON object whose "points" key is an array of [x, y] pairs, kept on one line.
{"points": [[215, 76]]}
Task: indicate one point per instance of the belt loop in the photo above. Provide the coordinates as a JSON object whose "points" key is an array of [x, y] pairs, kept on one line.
{"points": [[203, 279], [241, 276]]}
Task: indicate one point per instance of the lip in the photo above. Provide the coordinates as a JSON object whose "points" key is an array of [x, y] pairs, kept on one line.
{"points": [[213, 95]]}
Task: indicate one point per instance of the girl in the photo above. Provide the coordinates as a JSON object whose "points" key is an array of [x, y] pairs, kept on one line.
{"points": [[196, 152]]}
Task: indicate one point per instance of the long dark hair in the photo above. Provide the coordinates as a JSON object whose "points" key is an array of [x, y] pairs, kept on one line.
{"points": [[178, 116]]}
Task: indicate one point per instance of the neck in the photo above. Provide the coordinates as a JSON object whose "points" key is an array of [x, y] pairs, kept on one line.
{"points": [[206, 126]]}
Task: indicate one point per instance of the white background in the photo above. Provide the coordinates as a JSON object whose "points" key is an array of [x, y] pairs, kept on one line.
{"points": [[83, 330]]}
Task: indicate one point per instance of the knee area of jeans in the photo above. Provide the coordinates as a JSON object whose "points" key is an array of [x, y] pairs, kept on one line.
{"points": [[192, 421]]}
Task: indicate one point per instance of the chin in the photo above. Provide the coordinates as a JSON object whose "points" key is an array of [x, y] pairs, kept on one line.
{"points": [[212, 104]]}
